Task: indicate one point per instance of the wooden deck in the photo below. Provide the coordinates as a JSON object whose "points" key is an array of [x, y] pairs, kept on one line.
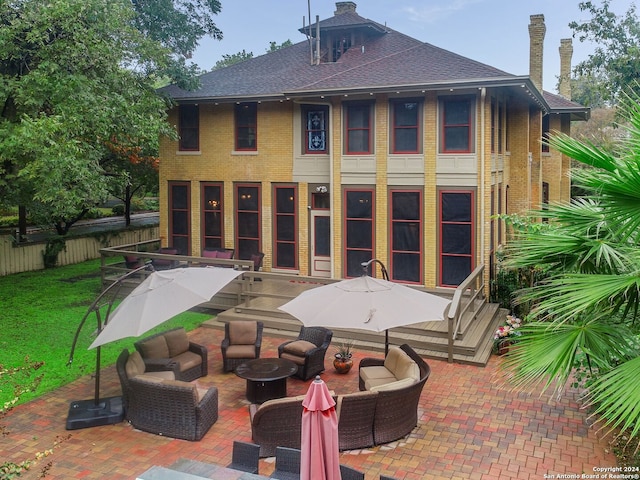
{"points": [[259, 300]]}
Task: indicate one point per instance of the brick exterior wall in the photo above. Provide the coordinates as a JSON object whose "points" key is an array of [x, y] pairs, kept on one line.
{"points": [[273, 164]]}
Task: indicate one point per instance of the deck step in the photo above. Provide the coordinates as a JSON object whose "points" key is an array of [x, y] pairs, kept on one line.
{"points": [[474, 348]]}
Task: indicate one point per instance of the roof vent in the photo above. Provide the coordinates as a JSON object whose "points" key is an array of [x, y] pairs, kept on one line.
{"points": [[345, 7]]}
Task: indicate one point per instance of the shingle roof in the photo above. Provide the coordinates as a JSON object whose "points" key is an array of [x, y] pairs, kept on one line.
{"points": [[560, 104], [387, 61]]}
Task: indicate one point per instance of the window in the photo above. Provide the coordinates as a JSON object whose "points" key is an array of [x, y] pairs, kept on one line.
{"points": [[405, 135], [456, 237], [358, 128], [456, 125], [339, 45], [212, 216], [406, 237], [179, 215], [315, 120], [545, 133], [248, 227], [493, 125], [285, 228], [358, 230], [246, 126], [189, 127], [502, 112]]}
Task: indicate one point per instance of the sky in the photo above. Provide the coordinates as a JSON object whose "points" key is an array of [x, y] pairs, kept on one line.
{"points": [[494, 32]]}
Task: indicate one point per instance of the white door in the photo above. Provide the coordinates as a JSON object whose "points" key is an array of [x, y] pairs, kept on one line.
{"points": [[320, 243]]}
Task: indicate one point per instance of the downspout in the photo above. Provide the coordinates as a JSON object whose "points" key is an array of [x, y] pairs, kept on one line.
{"points": [[331, 190], [483, 96]]}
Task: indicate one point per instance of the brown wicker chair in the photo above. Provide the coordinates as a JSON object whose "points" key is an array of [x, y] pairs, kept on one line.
{"points": [[276, 423], [355, 420], [307, 351], [287, 464], [173, 346], [348, 473], [242, 341], [245, 457], [397, 410], [172, 408], [165, 264], [131, 365]]}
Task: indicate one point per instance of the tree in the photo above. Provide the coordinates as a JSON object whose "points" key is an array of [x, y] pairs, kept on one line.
{"points": [[615, 63], [232, 59], [178, 25], [273, 46], [584, 313], [132, 172], [73, 76]]}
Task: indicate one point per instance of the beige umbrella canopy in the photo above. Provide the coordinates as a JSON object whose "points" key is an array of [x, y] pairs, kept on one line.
{"points": [[160, 297], [366, 303]]}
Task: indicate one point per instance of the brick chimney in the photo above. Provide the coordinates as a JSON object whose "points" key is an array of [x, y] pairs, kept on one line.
{"points": [[345, 7], [537, 29], [566, 51]]}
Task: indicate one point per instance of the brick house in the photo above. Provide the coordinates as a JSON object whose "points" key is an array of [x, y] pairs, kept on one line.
{"points": [[357, 143]]}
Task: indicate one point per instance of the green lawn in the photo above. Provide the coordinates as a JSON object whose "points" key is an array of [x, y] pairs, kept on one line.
{"points": [[39, 315]]}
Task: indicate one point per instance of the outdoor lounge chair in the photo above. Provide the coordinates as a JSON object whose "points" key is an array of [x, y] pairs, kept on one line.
{"points": [[165, 264], [307, 351], [242, 342], [348, 473], [131, 365], [173, 346], [171, 408], [287, 464], [245, 457]]}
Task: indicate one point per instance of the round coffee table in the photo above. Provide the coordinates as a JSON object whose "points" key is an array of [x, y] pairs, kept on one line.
{"points": [[266, 377]]}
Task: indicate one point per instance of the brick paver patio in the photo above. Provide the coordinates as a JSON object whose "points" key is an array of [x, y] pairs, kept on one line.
{"points": [[469, 428]]}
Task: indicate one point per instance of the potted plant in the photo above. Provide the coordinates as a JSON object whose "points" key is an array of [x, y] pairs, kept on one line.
{"points": [[506, 335], [342, 361]]}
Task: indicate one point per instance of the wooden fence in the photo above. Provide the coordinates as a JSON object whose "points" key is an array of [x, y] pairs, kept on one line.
{"points": [[28, 256]]}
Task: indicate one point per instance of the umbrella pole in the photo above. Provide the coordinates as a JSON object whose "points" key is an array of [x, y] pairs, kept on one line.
{"points": [[96, 412], [386, 342]]}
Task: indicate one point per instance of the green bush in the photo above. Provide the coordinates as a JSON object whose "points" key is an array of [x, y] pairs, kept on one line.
{"points": [[118, 209]]}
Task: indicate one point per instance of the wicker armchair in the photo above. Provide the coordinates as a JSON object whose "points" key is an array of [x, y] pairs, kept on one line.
{"points": [[307, 351], [173, 346], [172, 408], [276, 423], [287, 464], [245, 457], [348, 473], [131, 365], [242, 341], [397, 409], [355, 420]]}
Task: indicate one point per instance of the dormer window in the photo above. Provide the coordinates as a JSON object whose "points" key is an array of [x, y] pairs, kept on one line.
{"points": [[340, 45]]}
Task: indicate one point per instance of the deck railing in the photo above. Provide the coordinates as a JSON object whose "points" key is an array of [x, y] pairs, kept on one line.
{"points": [[467, 302]]}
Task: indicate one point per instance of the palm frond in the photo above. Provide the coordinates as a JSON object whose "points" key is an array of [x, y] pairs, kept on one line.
{"points": [[616, 397], [584, 152], [546, 353], [568, 296]]}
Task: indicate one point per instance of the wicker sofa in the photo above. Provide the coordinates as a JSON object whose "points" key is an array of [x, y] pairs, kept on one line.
{"points": [[173, 346], [397, 404], [155, 402], [365, 418]]}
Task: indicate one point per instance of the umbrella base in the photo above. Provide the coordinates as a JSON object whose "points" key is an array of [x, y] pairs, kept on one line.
{"points": [[86, 413]]}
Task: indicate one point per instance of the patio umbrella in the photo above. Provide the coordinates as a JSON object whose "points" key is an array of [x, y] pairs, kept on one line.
{"points": [[319, 454], [160, 297], [366, 303]]}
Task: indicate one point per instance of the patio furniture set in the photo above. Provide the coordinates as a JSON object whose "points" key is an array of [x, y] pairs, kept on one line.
{"points": [[159, 398], [381, 412]]}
